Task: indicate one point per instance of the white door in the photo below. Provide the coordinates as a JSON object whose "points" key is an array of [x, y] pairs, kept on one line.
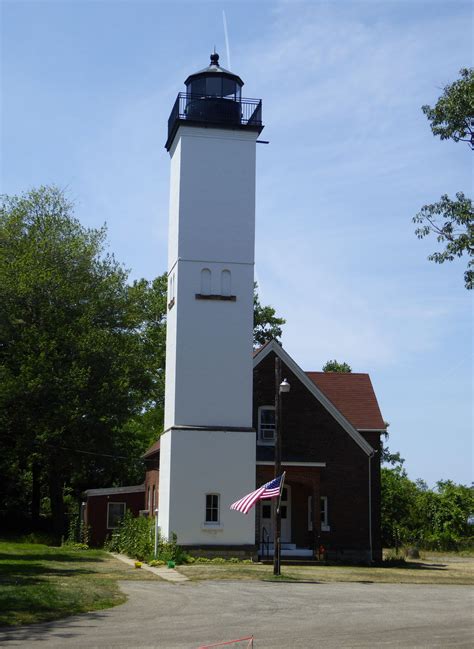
{"points": [[266, 517]]}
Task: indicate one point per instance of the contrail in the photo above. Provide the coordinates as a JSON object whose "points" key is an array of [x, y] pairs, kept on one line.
{"points": [[226, 39]]}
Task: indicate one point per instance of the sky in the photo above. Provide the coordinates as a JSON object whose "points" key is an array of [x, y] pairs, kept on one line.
{"points": [[87, 88]]}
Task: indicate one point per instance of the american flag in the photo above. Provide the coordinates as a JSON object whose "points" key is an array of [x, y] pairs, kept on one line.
{"points": [[269, 490]]}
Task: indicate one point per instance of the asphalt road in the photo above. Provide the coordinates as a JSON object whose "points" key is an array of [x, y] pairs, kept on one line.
{"points": [[279, 615]]}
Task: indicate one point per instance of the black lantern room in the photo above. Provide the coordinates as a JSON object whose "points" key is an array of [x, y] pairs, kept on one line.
{"points": [[213, 98], [214, 81], [214, 94]]}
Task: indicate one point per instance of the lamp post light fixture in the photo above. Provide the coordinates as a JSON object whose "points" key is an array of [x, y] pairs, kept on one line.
{"points": [[281, 387]]}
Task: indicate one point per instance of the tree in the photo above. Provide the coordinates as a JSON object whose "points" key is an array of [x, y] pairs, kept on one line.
{"points": [[436, 519], [266, 325], [335, 366], [452, 221], [452, 117], [79, 349]]}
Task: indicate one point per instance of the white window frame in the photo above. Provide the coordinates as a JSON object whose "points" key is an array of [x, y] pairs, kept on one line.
{"points": [[261, 439], [108, 511], [323, 506], [218, 521]]}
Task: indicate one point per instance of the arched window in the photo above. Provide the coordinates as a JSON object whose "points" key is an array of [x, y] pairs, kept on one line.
{"points": [[205, 281], [226, 282]]}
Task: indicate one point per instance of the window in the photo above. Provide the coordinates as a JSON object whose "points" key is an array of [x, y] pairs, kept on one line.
{"points": [[323, 514], [225, 282], [266, 511], [266, 424], [205, 281], [115, 513], [212, 509]]}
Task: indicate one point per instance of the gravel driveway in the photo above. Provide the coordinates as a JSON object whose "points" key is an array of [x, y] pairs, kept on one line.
{"points": [[279, 615]]}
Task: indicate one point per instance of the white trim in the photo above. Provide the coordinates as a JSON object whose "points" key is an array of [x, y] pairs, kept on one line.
{"points": [[268, 463], [273, 346], [261, 441], [370, 507], [212, 524], [325, 527], [115, 490]]}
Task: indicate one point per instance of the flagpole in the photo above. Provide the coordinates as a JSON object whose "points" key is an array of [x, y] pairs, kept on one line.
{"points": [[281, 489], [277, 526]]}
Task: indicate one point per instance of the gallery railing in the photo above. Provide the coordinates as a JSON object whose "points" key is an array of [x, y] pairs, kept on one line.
{"points": [[214, 110]]}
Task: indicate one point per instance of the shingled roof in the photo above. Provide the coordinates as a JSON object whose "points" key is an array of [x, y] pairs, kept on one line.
{"points": [[353, 395], [350, 394]]}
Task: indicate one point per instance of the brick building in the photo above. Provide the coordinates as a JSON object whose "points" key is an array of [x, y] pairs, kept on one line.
{"points": [[331, 427]]}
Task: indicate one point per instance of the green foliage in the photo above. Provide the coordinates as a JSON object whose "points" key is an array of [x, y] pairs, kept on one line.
{"points": [[387, 457], [452, 115], [335, 366], [81, 353], [134, 537], [82, 359], [430, 519], [266, 325], [452, 221]]}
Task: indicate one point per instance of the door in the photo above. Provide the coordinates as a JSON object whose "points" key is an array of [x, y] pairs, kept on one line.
{"points": [[266, 517]]}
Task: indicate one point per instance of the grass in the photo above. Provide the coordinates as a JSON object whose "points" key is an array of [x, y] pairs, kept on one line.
{"points": [[40, 583], [433, 568]]}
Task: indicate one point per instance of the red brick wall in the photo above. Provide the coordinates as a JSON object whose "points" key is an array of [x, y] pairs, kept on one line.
{"points": [[152, 479], [96, 512], [311, 434]]}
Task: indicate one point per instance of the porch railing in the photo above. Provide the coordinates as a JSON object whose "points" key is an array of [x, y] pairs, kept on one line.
{"points": [[265, 543]]}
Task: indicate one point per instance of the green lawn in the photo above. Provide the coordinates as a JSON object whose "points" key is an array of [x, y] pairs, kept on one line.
{"points": [[39, 583], [432, 568]]}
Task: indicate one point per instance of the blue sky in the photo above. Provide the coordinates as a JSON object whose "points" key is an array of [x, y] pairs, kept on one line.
{"points": [[87, 88]]}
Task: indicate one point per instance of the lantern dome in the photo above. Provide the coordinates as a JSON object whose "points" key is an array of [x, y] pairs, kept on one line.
{"points": [[214, 81]]}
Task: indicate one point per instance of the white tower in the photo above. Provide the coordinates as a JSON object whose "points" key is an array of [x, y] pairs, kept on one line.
{"points": [[207, 455]]}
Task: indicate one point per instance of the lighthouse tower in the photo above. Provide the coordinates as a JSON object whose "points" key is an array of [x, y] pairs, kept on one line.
{"points": [[207, 454]]}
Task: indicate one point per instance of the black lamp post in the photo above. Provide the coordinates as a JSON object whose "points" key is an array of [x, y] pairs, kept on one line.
{"points": [[281, 387]]}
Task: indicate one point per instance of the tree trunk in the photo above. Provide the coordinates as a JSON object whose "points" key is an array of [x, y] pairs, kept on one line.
{"points": [[35, 495], [57, 502]]}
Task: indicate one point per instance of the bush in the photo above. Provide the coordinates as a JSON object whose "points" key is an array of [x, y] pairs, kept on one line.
{"points": [[42, 538], [133, 537]]}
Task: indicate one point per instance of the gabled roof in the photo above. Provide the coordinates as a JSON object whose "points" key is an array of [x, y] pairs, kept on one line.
{"points": [[346, 406], [112, 491], [353, 395]]}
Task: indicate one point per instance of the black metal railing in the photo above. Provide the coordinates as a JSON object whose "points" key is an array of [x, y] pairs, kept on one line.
{"points": [[209, 109], [265, 544]]}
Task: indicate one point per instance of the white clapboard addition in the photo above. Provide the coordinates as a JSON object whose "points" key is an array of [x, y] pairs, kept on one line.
{"points": [[208, 447]]}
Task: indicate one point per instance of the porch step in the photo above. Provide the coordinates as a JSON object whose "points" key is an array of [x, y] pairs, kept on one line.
{"points": [[294, 561], [288, 547], [291, 552]]}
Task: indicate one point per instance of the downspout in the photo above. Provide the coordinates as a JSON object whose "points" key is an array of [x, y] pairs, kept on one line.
{"points": [[370, 506]]}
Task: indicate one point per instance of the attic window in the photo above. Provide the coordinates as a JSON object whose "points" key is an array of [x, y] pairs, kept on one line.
{"points": [[266, 425]]}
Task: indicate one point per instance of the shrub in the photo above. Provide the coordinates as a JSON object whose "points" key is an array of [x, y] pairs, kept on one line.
{"points": [[133, 537]]}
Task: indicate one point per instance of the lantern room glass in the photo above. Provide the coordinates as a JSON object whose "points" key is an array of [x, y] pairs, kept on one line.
{"points": [[215, 85]]}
